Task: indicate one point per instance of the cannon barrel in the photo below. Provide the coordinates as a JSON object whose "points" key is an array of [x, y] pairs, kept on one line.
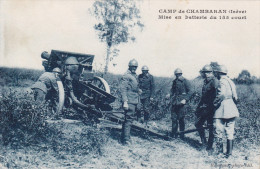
{"points": [[45, 55]]}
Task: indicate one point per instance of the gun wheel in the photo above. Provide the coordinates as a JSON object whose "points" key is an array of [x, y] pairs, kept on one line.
{"points": [[101, 83]]}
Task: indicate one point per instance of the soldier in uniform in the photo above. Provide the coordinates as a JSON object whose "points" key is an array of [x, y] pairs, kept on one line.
{"points": [[72, 75], [226, 112], [206, 109], [146, 84], [72, 68], [180, 93], [130, 98], [46, 87]]}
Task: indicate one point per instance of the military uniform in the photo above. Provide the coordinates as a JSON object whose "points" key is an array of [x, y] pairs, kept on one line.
{"points": [[205, 109], [46, 88], [146, 84], [129, 92], [180, 91], [226, 111]]}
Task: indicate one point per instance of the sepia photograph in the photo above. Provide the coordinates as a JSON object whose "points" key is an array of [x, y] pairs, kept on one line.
{"points": [[163, 84]]}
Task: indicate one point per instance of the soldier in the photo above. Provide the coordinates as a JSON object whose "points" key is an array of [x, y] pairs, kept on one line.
{"points": [[72, 75], [180, 93], [46, 88], [146, 84], [130, 97], [72, 67], [226, 113], [205, 109]]}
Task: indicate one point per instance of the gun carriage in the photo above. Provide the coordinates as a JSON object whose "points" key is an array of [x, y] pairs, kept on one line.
{"points": [[89, 94]]}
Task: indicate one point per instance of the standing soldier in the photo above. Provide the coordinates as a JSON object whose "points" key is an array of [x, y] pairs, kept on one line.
{"points": [[180, 93], [130, 97], [146, 84], [227, 112], [205, 109]]}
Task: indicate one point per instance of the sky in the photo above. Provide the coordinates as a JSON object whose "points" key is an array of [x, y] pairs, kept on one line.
{"points": [[30, 27]]}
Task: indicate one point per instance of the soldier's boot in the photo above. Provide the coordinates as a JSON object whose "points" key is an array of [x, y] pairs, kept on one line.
{"points": [[126, 129], [182, 127], [210, 140], [203, 138], [210, 143], [174, 129], [229, 148], [141, 120], [146, 118], [138, 116], [123, 133], [203, 142]]}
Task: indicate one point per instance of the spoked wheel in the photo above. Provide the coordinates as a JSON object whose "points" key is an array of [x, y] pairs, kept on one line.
{"points": [[101, 83]]}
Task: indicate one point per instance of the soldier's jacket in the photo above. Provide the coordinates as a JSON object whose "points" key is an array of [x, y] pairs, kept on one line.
{"points": [[225, 93], [47, 82], [180, 90], [129, 88], [146, 84], [209, 92]]}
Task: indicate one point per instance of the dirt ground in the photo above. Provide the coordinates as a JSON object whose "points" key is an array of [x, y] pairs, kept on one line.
{"points": [[144, 152]]}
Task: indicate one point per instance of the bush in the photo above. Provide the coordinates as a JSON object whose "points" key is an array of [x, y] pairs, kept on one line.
{"points": [[25, 123], [248, 125], [22, 121]]}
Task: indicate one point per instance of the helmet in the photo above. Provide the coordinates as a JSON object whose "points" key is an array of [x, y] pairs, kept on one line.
{"points": [[71, 61], [133, 62], [178, 71], [222, 69], [56, 69], [207, 68], [145, 68]]}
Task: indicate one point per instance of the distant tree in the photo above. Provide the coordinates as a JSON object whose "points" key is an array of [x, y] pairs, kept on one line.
{"points": [[117, 20], [244, 77]]}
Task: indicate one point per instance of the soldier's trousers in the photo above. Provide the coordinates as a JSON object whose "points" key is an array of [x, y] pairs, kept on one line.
{"points": [[226, 126], [39, 95], [144, 109], [201, 119], [178, 123], [178, 114], [128, 120]]}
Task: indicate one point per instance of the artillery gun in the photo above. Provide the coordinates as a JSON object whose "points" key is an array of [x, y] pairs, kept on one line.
{"points": [[88, 94], [83, 90]]}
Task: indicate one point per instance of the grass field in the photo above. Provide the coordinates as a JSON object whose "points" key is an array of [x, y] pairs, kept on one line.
{"points": [[29, 140]]}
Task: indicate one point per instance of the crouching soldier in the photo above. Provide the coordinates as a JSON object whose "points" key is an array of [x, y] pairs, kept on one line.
{"points": [[146, 84], [206, 109], [180, 93], [226, 112], [130, 98], [49, 87]]}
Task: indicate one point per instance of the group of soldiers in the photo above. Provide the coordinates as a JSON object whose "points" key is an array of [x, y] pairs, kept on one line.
{"points": [[49, 85], [217, 105]]}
